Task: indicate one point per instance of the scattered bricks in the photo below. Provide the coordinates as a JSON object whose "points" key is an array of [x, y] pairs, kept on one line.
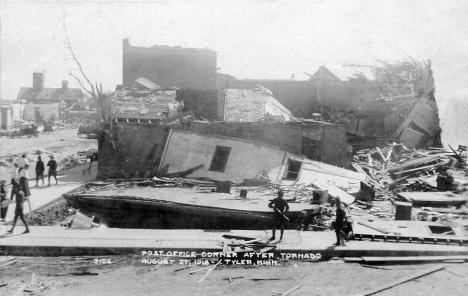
{"points": [[52, 215]]}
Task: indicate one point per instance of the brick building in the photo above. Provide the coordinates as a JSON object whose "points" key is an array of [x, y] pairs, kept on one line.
{"points": [[170, 66]]}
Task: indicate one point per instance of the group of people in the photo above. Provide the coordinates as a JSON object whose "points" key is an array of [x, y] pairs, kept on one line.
{"points": [[40, 169], [280, 207], [20, 186]]}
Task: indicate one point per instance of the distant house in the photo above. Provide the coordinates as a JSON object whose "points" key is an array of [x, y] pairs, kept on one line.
{"points": [[47, 102], [6, 111]]}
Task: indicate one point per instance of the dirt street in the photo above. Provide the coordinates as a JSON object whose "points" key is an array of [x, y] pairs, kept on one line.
{"points": [[61, 143], [323, 278]]}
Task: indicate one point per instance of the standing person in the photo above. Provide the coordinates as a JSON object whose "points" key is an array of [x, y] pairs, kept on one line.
{"points": [[52, 164], [4, 201], [14, 178], [19, 209], [280, 206], [444, 180], [22, 161], [39, 170], [24, 181], [339, 223], [91, 159]]}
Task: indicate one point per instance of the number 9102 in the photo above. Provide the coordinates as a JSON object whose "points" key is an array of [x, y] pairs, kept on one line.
{"points": [[102, 261]]}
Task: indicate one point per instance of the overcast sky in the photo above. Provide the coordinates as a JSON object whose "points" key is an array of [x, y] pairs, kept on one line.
{"points": [[254, 39]]}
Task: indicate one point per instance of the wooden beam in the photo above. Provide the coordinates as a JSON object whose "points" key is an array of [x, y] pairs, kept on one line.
{"points": [[373, 227], [400, 281], [210, 270], [290, 291], [414, 258], [381, 154]]}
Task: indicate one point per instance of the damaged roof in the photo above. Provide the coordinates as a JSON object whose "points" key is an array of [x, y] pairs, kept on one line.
{"points": [[252, 105], [345, 73], [50, 94]]}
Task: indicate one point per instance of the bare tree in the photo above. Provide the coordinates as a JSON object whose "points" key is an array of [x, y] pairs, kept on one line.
{"points": [[94, 90]]}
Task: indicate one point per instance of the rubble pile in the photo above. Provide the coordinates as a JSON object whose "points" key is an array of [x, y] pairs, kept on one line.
{"points": [[405, 78], [75, 159], [50, 215], [144, 102], [395, 168], [34, 287]]}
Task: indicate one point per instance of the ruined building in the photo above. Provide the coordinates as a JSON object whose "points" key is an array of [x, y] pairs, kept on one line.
{"points": [[173, 97], [45, 103], [382, 102], [150, 127]]}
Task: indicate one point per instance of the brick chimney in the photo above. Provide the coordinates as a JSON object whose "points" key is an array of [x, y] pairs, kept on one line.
{"points": [[64, 85], [38, 80], [126, 43]]}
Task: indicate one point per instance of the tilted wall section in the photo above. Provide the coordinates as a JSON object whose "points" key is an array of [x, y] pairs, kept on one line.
{"points": [[186, 150]]}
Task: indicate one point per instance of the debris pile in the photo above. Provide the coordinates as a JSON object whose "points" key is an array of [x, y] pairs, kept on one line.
{"points": [[394, 169], [78, 158], [50, 215], [34, 287], [145, 100]]}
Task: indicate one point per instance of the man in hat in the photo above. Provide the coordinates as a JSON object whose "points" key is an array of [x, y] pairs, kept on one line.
{"points": [[19, 209], [280, 206], [52, 164], [339, 223]]}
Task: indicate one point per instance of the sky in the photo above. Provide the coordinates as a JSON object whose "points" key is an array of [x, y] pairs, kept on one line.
{"points": [[253, 39]]}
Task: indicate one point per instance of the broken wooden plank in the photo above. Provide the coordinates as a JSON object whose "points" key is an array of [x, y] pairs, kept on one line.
{"points": [[204, 268], [400, 281], [184, 173], [389, 267], [420, 168], [74, 273], [290, 291], [381, 154], [183, 268], [433, 198], [233, 278], [414, 258], [358, 168], [238, 237], [414, 163], [373, 227], [8, 262], [389, 155], [210, 270]]}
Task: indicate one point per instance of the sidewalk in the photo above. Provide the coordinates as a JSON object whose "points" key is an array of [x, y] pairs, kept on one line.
{"points": [[61, 241], [68, 180]]}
